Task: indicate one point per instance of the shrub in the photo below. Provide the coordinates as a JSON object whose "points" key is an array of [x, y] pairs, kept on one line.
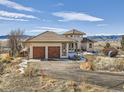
{"points": [[32, 71], [1, 68], [109, 64]]}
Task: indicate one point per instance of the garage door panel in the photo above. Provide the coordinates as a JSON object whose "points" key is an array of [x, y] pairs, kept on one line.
{"points": [[38, 52], [53, 52]]}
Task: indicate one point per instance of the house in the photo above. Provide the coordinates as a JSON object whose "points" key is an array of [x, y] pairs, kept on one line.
{"points": [[48, 45], [87, 44], [52, 45]]}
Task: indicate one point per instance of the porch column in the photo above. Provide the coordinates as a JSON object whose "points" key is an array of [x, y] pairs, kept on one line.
{"points": [[31, 52], [74, 47], [67, 49], [79, 44], [46, 52]]}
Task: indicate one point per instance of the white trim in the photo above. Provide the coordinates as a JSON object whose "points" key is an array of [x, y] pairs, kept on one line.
{"points": [[46, 52]]}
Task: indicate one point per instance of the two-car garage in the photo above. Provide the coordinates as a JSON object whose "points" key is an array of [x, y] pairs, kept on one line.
{"points": [[48, 45], [50, 52]]}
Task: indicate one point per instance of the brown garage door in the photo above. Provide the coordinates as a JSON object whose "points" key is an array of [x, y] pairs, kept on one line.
{"points": [[53, 52], [38, 52]]}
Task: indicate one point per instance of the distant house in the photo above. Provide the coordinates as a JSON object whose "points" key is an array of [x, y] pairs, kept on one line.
{"points": [[87, 44], [52, 45]]}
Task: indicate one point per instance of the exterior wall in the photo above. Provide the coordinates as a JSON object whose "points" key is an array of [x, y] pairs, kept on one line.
{"points": [[90, 49], [31, 45], [86, 46], [78, 38]]}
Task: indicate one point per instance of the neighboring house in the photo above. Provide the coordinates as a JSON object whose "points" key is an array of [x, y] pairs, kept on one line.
{"points": [[87, 44], [48, 45], [52, 45]]}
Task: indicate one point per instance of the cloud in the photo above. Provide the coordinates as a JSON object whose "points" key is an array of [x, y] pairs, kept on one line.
{"points": [[12, 19], [15, 5], [101, 25], [15, 15], [4, 15], [76, 16], [59, 4], [42, 29]]}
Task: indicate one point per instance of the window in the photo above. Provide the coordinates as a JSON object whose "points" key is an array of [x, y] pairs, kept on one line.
{"points": [[90, 45], [72, 45]]}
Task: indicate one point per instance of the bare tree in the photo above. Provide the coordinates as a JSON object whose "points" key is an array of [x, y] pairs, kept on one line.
{"points": [[15, 37]]}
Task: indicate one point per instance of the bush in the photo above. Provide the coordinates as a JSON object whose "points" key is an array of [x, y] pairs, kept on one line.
{"points": [[109, 64], [1, 68], [32, 71]]}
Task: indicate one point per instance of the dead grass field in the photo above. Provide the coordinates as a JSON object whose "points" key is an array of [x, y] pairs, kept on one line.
{"points": [[32, 81], [98, 46]]}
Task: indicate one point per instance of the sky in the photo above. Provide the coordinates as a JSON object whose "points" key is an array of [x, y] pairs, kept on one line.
{"points": [[94, 17]]}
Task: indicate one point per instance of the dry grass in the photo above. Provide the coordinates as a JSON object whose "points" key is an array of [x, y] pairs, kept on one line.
{"points": [[34, 82], [15, 82], [109, 64]]}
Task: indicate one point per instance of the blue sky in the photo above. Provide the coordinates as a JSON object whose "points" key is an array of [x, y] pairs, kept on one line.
{"points": [[94, 17]]}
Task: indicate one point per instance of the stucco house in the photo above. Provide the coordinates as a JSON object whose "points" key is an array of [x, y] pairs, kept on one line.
{"points": [[87, 44], [52, 45], [48, 45], [82, 43]]}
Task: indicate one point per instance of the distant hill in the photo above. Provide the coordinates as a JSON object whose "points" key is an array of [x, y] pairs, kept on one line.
{"points": [[7, 36], [95, 38], [106, 38]]}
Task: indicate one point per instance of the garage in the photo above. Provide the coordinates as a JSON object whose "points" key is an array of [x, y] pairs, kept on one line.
{"points": [[48, 45], [39, 52], [53, 52]]}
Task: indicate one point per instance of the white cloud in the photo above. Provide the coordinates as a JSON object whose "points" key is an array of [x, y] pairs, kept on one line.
{"points": [[42, 29], [12, 19], [16, 6], [59, 4], [76, 16], [101, 25], [4, 15], [15, 15]]}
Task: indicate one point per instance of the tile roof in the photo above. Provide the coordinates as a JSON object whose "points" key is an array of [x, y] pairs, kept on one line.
{"points": [[74, 32], [87, 40], [50, 36]]}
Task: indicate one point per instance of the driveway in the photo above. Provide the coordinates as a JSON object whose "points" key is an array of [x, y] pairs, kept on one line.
{"points": [[71, 71]]}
